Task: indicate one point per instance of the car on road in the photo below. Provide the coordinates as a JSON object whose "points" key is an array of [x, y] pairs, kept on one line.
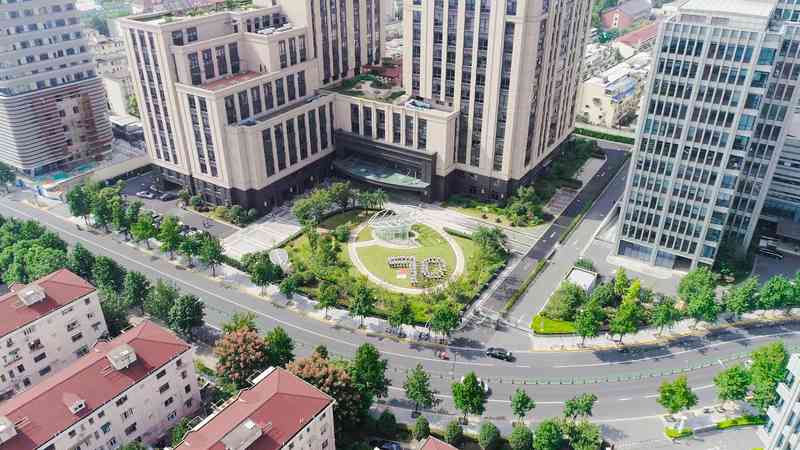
{"points": [[146, 194], [168, 196], [770, 253], [382, 444], [499, 353]]}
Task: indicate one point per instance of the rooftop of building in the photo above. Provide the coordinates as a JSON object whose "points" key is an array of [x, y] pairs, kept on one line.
{"points": [[372, 87], [582, 277], [230, 81], [60, 288], [433, 443], [755, 8], [265, 416], [637, 37], [51, 407], [177, 15], [633, 8]]}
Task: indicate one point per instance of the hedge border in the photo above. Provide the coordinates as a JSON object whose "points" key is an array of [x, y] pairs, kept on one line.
{"points": [[540, 266], [605, 136]]}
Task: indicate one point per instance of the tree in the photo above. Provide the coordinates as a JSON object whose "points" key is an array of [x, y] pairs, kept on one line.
{"points": [[621, 282], [80, 205], [321, 351], [579, 406], [676, 396], [469, 395], [40, 261], [368, 371], [115, 312], [101, 208], [548, 435], [521, 404], [190, 248], [776, 293], [288, 286], [160, 300], [742, 298], [387, 423], [768, 369], [331, 378], [186, 313], [240, 321], [588, 321], [702, 306], [453, 433], [418, 388], [665, 314], [81, 262], [400, 314], [107, 274], [211, 252], [445, 317], [241, 355], [144, 229], [521, 438], [169, 234], [265, 273], [280, 347], [697, 281], [604, 295], [565, 301], [362, 301], [626, 320], [733, 383], [422, 428], [7, 175], [179, 431], [488, 436], [584, 435], [120, 218], [341, 193], [135, 289], [328, 296], [134, 445]]}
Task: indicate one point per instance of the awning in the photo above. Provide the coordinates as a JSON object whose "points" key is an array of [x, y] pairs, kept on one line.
{"points": [[379, 174]]}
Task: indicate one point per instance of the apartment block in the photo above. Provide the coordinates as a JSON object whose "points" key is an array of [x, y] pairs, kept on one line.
{"points": [[45, 326], [280, 411], [52, 107], [782, 430], [510, 69], [134, 387], [717, 105], [612, 98]]}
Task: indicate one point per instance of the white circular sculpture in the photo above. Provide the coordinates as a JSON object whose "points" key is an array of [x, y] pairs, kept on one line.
{"points": [[394, 226]]}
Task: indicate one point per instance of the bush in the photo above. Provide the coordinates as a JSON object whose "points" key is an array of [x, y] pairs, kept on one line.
{"points": [[454, 433], [564, 302], [585, 264], [342, 233], [488, 436], [672, 433], [572, 183], [422, 429], [196, 201], [605, 136], [457, 233], [741, 422], [521, 438], [387, 424]]}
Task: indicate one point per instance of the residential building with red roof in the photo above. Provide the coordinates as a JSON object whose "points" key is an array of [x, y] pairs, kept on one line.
{"points": [[637, 41], [279, 411], [134, 387], [432, 443], [45, 326], [625, 14]]}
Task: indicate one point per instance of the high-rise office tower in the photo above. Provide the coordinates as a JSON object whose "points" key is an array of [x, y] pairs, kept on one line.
{"points": [[782, 430], [712, 129], [52, 104], [511, 68]]}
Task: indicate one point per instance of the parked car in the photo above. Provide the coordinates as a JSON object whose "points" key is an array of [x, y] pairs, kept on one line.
{"points": [[168, 196], [146, 194], [381, 444], [499, 353]]}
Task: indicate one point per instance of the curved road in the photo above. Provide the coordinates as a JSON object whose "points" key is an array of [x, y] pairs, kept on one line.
{"points": [[625, 384]]}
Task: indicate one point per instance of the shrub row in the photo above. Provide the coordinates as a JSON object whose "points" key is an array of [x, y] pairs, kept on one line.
{"points": [[524, 287], [604, 136]]}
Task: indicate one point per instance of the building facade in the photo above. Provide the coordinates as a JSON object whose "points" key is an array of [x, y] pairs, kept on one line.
{"points": [[511, 69], [134, 387], [709, 141], [613, 96], [279, 411], [625, 14], [52, 108], [782, 430], [46, 325]]}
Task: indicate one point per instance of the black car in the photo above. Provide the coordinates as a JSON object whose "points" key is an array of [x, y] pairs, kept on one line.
{"points": [[381, 444], [499, 353], [168, 196]]}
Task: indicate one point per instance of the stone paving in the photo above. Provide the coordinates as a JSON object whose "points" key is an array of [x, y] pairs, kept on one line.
{"points": [[265, 234]]}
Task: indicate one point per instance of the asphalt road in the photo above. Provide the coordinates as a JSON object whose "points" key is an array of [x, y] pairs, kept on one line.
{"points": [[624, 383]]}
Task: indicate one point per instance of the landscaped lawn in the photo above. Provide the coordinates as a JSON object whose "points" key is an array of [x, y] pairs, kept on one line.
{"points": [[365, 234], [432, 244], [542, 325], [354, 216]]}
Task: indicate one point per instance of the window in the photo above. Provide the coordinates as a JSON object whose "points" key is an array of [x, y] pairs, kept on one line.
{"points": [[422, 134], [121, 401], [233, 53], [222, 62], [106, 427], [112, 443], [172, 415], [168, 401], [72, 433], [230, 109], [187, 388], [131, 429], [268, 100], [282, 54], [194, 69], [301, 83], [77, 337], [191, 34], [354, 120], [208, 63], [279, 93], [44, 371], [256, 94], [39, 357], [164, 387], [244, 105], [161, 374], [292, 51], [290, 87], [177, 37], [269, 159], [323, 128], [127, 414]]}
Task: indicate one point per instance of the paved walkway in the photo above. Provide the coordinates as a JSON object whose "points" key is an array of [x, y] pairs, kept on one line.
{"points": [[265, 234]]}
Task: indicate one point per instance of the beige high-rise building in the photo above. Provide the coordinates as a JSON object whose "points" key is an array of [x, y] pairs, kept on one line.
{"points": [[52, 105], [511, 68]]}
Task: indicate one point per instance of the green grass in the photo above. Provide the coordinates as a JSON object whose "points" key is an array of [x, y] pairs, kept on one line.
{"points": [[352, 216], [604, 136], [741, 422], [672, 433], [542, 325], [364, 235], [431, 243]]}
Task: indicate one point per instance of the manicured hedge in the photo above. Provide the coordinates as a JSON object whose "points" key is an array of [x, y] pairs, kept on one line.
{"points": [[524, 287], [741, 422], [605, 136], [457, 233], [672, 433]]}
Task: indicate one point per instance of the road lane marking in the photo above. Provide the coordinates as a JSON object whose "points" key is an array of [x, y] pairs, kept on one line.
{"points": [[625, 399]]}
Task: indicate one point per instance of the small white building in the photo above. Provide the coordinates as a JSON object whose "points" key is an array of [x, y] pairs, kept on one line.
{"points": [[45, 326], [615, 94], [782, 430], [585, 279], [135, 387], [280, 411]]}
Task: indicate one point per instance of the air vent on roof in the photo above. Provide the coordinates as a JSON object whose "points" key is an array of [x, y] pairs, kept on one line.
{"points": [[31, 294], [122, 356], [7, 429], [242, 436], [73, 402]]}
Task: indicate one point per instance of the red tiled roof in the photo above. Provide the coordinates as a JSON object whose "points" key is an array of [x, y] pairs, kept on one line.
{"points": [[433, 443], [636, 38], [61, 288], [281, 404], [43, 411], [224, 83]]}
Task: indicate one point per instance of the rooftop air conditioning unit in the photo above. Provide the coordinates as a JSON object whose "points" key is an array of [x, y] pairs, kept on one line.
{"points": [[31, 294], [122, 356]]}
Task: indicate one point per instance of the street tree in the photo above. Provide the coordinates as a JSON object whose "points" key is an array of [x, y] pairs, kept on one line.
{"points": [[322, 351], [368, 371], [211, 252], [40, 261], [548, 435], [119, 216], [588, 321], [665, 314], [288, 286], [160, 300], [583, 435], [628, 316], [422, 428], [81, 262], [280, 347], [264, 273], [579, 406], [189, 247], [776, 293], [453, 433], [469, 395], [144, 229], [107, 274], [621, 282], [733, 383], [488, 436], [676, 396], [702, 306], [699, 280], [445, 317], [362, 301], [328, 296], [604, 295], [102, 208], [240, 321], [418, 388], [241, 355], [400, 314], [521, 404], [135, 289], [80, 205], [521, 438], [169, 234], [7, 175], [767, 370], [186, 314], [115, 311]]}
